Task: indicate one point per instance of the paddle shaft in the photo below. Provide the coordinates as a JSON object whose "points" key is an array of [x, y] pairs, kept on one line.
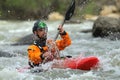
{"points": [[58, 31]]}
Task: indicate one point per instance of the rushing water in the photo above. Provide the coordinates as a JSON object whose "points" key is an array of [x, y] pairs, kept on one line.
{"points": [[12, 57]]}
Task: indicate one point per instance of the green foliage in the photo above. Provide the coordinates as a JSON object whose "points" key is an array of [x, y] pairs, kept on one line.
{"points": [[0, 13], [23, 4], [63, 5], [89, 9], [24, 9]]}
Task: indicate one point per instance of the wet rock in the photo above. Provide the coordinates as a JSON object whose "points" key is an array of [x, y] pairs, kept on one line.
{"points": [[6, 54], [86, 31], [26, 40], [115, 36], [106, 26]]}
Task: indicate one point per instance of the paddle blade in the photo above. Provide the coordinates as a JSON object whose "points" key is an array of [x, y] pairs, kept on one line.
{"points": [[70, 10]]}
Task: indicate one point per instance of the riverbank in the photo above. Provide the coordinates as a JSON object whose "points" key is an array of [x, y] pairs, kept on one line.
{"points": [[32, 10]]}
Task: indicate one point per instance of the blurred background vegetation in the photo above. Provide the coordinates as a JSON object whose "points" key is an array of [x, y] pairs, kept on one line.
{"points": [[40, 9]]}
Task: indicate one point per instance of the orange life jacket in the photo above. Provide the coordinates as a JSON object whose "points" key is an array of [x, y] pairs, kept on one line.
{"points": [[34, 53]]}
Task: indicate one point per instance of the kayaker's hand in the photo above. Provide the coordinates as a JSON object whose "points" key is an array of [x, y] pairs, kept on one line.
{"points": [[50, 41], [48, 57], [61, 30], [46, 54], [52, 45]]}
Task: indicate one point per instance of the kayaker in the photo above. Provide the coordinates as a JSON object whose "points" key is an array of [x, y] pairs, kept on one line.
{"points": [[43, 50]]}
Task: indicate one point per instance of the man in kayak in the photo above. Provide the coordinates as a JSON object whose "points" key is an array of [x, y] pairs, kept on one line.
{"points": [[43, 50]]}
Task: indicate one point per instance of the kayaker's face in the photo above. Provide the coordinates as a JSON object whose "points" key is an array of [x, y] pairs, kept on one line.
{"points": [[41, 33]]}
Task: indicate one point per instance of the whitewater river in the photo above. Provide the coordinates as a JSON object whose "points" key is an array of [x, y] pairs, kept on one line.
{"points": [[13, 57]]}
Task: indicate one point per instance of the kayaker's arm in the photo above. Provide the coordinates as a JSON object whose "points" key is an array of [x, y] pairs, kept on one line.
{"points": [[64, 42]]}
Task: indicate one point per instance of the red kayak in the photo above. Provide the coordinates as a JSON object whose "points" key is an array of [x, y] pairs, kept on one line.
{"points": [[82, 63], [86, 63]]}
